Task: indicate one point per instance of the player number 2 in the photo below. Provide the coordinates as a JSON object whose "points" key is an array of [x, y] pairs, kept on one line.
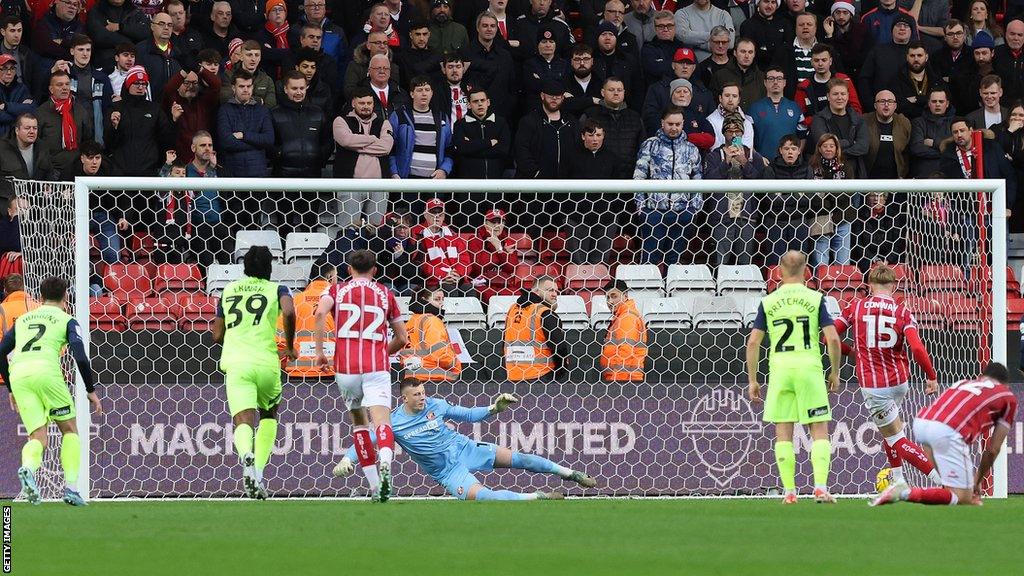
{"points": [[804, 321], [370, 332], [30, 345], [879, 331], [975, 387]]}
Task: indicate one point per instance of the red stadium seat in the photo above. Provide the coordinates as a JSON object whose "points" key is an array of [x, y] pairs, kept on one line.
{"points": [[529, 272], [927, 311], [624, 249], [186, 277], [139, 248], [128, 282], [197, 311], [551, 248], [981, 280], [844, 278], [773, 277], [524, 246], [153, 314], [1014, 312], [962, 312], [586, 276], [105, 313], [943, 278]]}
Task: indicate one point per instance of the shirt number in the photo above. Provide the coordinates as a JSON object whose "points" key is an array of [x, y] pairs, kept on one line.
{"points": [[29, 346], [879, 331], [804, 321], [255, 305], [975, 387], [354, 314]]}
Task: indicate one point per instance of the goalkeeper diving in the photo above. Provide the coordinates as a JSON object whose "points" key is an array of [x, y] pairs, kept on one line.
{"points": [[451, 458]]}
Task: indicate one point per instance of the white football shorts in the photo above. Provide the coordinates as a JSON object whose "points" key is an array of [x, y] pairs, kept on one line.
{"points": [[883, 404], [362, 390], [952, 455]]}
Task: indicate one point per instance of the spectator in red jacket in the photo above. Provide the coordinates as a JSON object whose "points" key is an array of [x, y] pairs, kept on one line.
{"points": [[494, 258], [446, 261]]}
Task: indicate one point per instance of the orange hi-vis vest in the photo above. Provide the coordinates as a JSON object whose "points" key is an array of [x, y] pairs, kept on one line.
{"points": [[305, 332], [624, 352], [428, 339], [526, 355], [16, 304]]}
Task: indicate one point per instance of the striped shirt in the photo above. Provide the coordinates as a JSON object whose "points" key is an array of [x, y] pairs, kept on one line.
{"points": [[973, 407], [363, 310], [424, 152]]}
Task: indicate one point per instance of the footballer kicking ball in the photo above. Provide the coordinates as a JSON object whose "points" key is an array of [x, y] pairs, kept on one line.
{"points": [[883, 479]]}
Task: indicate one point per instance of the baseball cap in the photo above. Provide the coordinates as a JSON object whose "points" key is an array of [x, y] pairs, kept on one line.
{"points": [[435, 204], [495, 214], [684, 55], [6, 59]]}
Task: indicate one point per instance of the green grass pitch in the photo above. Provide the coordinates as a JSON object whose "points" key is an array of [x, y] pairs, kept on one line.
{"points": [[590, 537]]}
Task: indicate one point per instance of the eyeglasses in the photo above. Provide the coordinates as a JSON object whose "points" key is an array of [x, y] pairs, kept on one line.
{"points": [[664, 26], [380, 68], [278, 9], [377, 42], [316, 5], [720, 41], [955, 34], [190, 83], [582, 58], [886, 101], [163, 24], [775, 78]]}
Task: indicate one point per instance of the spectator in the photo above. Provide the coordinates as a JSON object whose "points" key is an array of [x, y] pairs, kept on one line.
{"points": [[812, 93], [979, 19], [769, 31], [656, 54], [640, 20], [222, 28], [21, 155], [841, 119], [446, 35], [124, 60], [827, 163], [446, 260], [397, 248], [310, 39], [11, 33], [593, 224], [451, 96], [158, 55], [847, 35], [959, 158], [888, 137], [191, 100], [881, 225], [418, 59], [90, 87], [932, 19], [951, 60], [504, 22], [991, 112], [113, 22], [696, 22], [379, 20], [719, 40], [610, 60], [107, 217], [797, 57], [584, 88], [318, 92], [481, 140], [137, 130], [884, 60], [1011, 138], [16, 301], [789, 215], [543, 135], [880, 22], [543, 67], [490, 64], [10, 236], [333, 41], [302, 138], [742, 71], [494, 258], [928, 131], [402, 15], [733, 214], [273, 37], [623, 127], [529, 28], [697, 128], [728, 104], [1008, 60], [614, 14], [248, 15], [263, 90], [15, 98], [57, 27], [967, 86], [388, 96], [422, 137], [775, 116], [430, 353], [913, 81], [666, 216], [245, 130], [364, 140], [659, 94], [63, 125], [188, 40]]}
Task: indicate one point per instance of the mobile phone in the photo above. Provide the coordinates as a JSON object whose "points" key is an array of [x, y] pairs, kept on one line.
{"points": [[737, 141]]}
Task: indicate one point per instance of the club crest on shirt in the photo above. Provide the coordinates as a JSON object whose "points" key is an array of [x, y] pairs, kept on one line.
{"points": [[790, 112], [460, 490], [430, 415]]}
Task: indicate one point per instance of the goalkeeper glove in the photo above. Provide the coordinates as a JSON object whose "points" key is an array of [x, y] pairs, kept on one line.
{"points": [[412, 362], [344, 468], [502, 402]]}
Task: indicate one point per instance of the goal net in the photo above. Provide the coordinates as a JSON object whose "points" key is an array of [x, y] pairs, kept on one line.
{"points": [[696, 277]]}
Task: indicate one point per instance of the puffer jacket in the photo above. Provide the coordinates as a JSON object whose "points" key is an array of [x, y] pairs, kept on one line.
{"points": [[623, 129], [303, 141], [246, 157], [161, 67], [17, 101], [664, 158], [142, 135], [789, 206]]}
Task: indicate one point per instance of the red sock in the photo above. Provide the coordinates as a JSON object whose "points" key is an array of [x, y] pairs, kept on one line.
{"points": [[365, 451], [915, 455], [893, 455], [939, 496], [385, 438]]}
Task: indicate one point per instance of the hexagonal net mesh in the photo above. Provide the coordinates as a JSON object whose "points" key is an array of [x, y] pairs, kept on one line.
{"points": [[159, 259]]}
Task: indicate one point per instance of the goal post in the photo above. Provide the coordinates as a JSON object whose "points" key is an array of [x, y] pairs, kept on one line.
{"points": [[701, 437]]}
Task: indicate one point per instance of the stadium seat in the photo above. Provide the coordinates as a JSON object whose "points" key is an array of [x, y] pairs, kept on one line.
{"points": [[1014, 312], [747, 303], [927, 312], [689, 279], [139, 248], [551, 248], [774, 278], [403, 308], [742, 278], [218, 276], [641, 276], [465, 313], [715, 312], [942, 278], [106, 313], [128, 282], [524, 246], [668, 313], [624, 249], [497, 310], [197, 311], [600, 314], [962, 312], [586, 276], [833, 306], [573, 312], [981, 280], [530, 272], [295, 276], [185, 277], [152, 314], [248, 238], [305, 246], [845, 278]]}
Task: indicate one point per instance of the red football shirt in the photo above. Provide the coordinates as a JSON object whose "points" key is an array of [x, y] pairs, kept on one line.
{"points": [[973, 407], [879, 329], [363, 310]]}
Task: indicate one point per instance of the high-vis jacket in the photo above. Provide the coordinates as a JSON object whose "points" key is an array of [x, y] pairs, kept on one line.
{"points": [[305, 333], [534, 341], [428, 339], [625, 349]]}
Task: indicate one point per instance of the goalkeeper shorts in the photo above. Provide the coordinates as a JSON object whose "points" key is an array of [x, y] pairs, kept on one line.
{"points": [[252, 387], [472, 457], [797, 395], [42, 398]]}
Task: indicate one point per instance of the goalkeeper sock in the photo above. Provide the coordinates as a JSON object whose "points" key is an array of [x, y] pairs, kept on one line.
{"points": [[488, 494], [70, 458], [821, 459], [786, 461], [243, 439], [32, 454], [914, 455], [934, 496], [367, 456], [385, 443], [538, 464], [266, 435], [895, 462]]}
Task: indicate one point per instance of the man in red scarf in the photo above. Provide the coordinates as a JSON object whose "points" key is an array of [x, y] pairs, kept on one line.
{"points": [[274, 38], [63, 125]]}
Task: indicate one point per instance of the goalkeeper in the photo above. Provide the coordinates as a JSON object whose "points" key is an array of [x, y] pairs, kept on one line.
{"points": [[450, 457]]}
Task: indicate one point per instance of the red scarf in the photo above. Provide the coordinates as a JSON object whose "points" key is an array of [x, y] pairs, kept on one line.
{"points": [[172, 205], [280, 34], [69, 132]]}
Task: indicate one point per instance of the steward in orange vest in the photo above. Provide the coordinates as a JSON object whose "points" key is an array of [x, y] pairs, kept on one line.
{"points": [[625, 346], [428, 340], [305, 366], [15, 304], [535, 345]]}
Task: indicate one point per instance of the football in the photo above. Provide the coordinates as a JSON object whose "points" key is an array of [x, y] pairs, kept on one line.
{"points": [[883, 479]]}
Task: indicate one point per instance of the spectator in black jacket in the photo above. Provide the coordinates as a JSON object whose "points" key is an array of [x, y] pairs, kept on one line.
{"points": [[137, 130], [158, 55], [187, 39], [12, 30], [914, 80], [418, 59], [21, 156], [58, 26], [959, 158], [481, 141], [302, 141], [584, 89], [543, 67], [623, 129], [491, 66], [221, 30], [769, 30], [318, 91], [788, 215], [451, 94], [248, 15], [592, 225], [610, 61], [884, 60], [684, 65], [529, 28], [129, 25], [848, 35], [544, 144], [312, 37], [108, 217], [927, 132], [952, 60], [656, 55], [273, 36]]}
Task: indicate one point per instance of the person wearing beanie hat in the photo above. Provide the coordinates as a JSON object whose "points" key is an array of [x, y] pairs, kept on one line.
{"points": [[137, 132], [529, 28], [845, 32], [612, 60], [274, 38], [881, 20], [883, 62], [699, 131], [679, 83], [982, 39], [544, 66], [446, 35], [659, 94]]}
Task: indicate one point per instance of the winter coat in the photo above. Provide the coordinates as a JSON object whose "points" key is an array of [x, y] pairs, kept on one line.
{"points": [[404, 128], [659, 97], [527, 27], [49, 35], [199, 112], [51, 135], [623, 129], [493, 70], [768, 35], [996, 164], [161, 67], [133, 28], [537, 71], [263, 89], [664, 158], [97, 97], [789, 206], [656, 58], [624, 66], [881, 66], [716, 168], [362, 148], [603, 164], [812, 97], [12, 164], [448, 37], [356, 72], [302, 139], [924, 160], [854, 144], [17, 100], [751, 82], [900, 141], [475, 156], [851, 46], [142, 135], [334, 44], [246, 157], [543, 146], [908, 103]]}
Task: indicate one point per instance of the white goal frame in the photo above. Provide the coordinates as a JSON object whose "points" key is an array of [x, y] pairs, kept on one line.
{"points": [[996, 189]]}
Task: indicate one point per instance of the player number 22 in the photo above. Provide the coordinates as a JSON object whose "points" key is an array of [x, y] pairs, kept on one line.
{"points": [[879, 331], [370, 332]]}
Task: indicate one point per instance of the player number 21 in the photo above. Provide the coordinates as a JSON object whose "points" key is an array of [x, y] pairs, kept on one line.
{"points": [[879, 331], [370, 332]]}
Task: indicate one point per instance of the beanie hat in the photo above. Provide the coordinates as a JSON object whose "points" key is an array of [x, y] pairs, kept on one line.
{"points": [[841, 5], [983, 40], [271, 4], [679, 83], [136, 74]]}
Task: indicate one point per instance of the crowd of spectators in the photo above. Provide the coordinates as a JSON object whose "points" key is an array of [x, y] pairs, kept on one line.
{"points": [[492, 89]]}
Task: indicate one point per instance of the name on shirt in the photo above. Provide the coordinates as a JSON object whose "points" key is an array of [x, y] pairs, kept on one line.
{"points": [[430, 427], [890, 306], [811, 308]]}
